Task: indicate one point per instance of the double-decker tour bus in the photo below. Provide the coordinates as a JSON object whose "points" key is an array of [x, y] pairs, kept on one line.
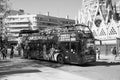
{"points": [[69, 44]]}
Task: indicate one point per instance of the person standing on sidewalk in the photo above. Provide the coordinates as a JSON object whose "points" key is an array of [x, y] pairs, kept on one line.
{"points": [[0, 54], [114, 52], [12, 52], [4, 53], [18, 48], [98, 53]]}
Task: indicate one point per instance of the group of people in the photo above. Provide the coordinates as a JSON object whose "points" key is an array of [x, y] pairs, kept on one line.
{"points": [[4, 52], [113, 51]]}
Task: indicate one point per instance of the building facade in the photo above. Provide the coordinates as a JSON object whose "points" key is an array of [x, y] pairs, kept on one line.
{"points": [[16, 23], [105, 24], [44, 21], [89, 10]]}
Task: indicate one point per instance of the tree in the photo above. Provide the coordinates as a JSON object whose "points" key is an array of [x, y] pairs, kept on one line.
{"points": [[21, 11], [4, 7]]}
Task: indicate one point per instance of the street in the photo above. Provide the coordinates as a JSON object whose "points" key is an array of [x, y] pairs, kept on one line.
{"points": [[23, 69], [83, 32]]}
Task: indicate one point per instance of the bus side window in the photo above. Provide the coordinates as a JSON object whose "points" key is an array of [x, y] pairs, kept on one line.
{"points": [[73, 46], [66, 46], [79, 47]]}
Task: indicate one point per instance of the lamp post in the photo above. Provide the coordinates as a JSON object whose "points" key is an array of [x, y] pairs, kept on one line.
{"points": [[118, 34], [118, 39], [107, 33]]}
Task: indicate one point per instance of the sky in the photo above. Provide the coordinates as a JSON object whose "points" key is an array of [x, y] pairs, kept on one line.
{"points": [[58, 8]]}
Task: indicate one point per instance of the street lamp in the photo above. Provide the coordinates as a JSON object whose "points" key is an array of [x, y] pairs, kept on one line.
{"points": [[107, 32], [118, 31]]}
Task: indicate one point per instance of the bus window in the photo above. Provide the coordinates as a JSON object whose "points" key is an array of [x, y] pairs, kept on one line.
{"points": [[74, 47], [79, 47], [66, 45]]}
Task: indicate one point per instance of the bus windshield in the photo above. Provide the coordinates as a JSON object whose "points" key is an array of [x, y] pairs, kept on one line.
{"points": [[86, 30]]}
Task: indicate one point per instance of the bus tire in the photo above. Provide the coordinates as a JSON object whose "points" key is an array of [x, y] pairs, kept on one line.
{"points": [[60, 59]]}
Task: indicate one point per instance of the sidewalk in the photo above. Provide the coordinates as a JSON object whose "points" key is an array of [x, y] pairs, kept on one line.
{"points": [[108, 58], [10, 61]]}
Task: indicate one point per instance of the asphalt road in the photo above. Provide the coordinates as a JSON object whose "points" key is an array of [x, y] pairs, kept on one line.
{"points": [[22, 69]]}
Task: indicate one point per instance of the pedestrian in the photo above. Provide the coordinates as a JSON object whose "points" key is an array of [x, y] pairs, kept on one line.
{"points": [[119, 52], [4, 55], [26, 50], [45, 56], [18, 48], [12, 52], [6, 50], [0, 54], [98, 53], [51, 56], [114, 52]]}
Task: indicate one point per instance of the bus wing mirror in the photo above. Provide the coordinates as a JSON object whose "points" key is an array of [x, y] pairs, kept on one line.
{"points": [[100, 42]]}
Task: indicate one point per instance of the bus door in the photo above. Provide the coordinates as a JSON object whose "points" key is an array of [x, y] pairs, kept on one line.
{"points": [[70, 50], [73, 52]]}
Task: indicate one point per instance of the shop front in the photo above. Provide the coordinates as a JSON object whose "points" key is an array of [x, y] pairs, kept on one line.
{"points": [[106, 46]]}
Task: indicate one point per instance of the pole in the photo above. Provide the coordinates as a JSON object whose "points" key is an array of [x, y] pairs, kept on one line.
{"points": [[70, 43]]}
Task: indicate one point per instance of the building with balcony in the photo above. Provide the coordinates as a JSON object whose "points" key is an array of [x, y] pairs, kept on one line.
{"points": [[16, 23]]}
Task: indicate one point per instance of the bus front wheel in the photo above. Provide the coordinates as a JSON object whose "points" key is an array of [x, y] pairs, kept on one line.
{"points": [[60, 59]]}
